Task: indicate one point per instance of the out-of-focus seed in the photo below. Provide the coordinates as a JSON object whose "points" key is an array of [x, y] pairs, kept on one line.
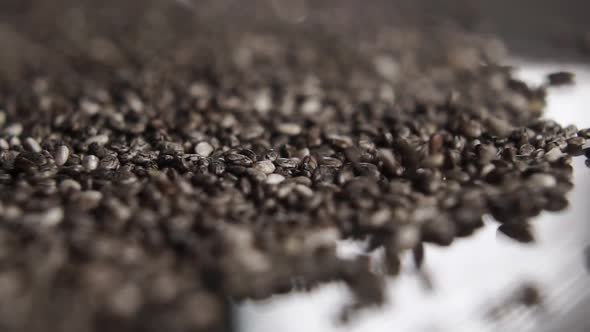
{"points": [[204, 149], [32, 145]]}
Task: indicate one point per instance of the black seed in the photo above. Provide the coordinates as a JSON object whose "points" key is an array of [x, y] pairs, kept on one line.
{"points": [[109, 162], [217, 167], [561, 78], [529, 295], [520, 232], [418, 255]]}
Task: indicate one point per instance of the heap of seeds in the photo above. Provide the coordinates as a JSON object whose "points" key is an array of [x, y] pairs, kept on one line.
{"points": [[141, 192]]}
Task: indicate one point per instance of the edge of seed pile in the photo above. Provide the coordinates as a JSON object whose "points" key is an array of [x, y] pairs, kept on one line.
{"points": [[153, 167]]}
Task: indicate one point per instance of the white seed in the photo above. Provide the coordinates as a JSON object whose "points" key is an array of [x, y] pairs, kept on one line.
{"points": [[323, 238], [51, 217], [275, 179], [32, 145], [265, 166], [125, 302], [14, 129], [89, 107], [15, 141], [89, 199], [311, 106], [303, 190], [553, 154], [387, 67], [69, 185], [61, 155], [199, 90], [90, 162], [380, 217], [263, 102], [100, 139], [4, 144], [204, 149], [290, 129], [544, 180]]}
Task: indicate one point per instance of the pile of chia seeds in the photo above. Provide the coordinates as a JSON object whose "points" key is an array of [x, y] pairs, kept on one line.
{"points": [[163, 159]]}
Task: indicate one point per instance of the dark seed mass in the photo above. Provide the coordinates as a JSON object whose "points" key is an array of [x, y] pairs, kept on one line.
{"points": [[166, 164]]}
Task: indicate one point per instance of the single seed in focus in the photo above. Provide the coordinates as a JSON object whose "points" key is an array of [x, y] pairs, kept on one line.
{"points": [[265, 166], [90, 162], [204, 149]]}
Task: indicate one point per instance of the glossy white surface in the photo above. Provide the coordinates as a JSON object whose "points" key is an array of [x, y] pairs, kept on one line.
{"points": [[475, 272]]}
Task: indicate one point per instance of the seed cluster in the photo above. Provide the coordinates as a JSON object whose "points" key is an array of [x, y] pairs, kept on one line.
{"points": [[143, 199]]}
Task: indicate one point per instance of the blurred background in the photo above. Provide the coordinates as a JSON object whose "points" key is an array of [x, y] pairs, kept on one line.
{"points": [[476, 278]]}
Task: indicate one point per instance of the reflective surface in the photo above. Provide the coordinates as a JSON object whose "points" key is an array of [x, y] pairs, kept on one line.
{"points": [[473, 279]]}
